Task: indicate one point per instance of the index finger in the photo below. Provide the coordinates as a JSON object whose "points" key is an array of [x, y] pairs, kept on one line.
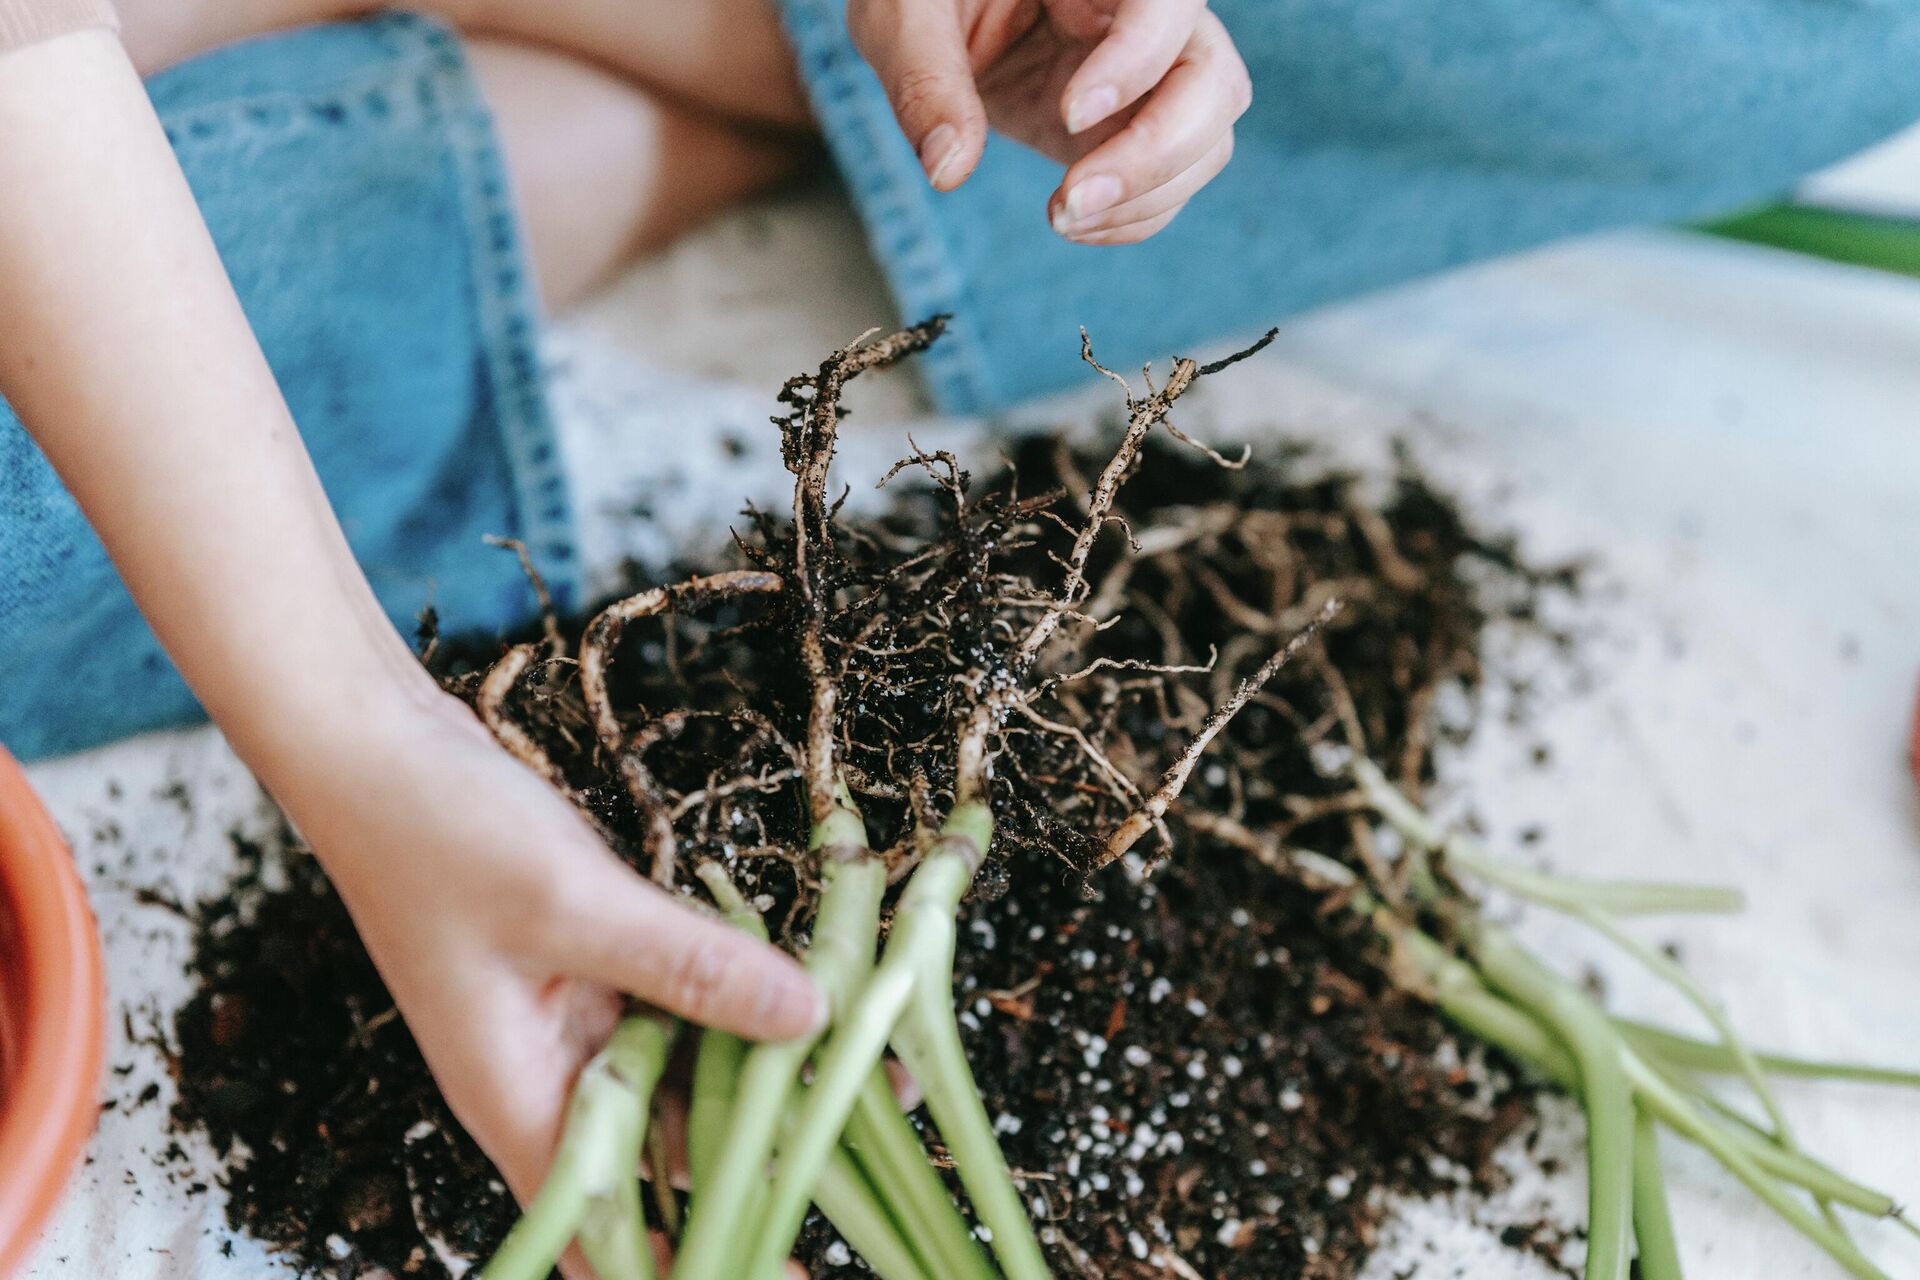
{"points": [[623, 931], [1140, 47]]}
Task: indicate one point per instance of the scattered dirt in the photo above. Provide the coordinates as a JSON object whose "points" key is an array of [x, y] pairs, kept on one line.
{"points": [[292, 1060], [1196, 1063]]}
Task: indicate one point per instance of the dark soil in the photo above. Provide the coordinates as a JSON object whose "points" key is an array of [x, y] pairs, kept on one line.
{"points": [[293, 1062], [1206, 1065], [1198, 1064]]}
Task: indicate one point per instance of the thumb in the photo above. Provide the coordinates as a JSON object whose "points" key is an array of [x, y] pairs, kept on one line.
{"points": [[621, 930], [920, 54]]}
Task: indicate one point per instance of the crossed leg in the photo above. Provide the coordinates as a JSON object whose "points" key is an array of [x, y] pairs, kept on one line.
{"points": [[623, 122]]}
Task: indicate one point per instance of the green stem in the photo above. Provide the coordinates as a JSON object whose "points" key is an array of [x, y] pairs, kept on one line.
{"points": [[613, 1235], [1604, 1089], [1880, 241], [859, 1039], [592, 1187], [1700, 1055], [1467, 1001], [553, 1218], [851, 1053], [1663, 967], [716, 1066], [1683, 1117], [1619, 897], [889, 1149], [928, 1041], [1793, 1165], [854, 1207], [720, 1232], [1659, 1251], [716, 1078]]}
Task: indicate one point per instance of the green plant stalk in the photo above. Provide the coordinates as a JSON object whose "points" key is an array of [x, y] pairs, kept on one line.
{"points": [[1461, 994], [716, 1078], [1605, 1092], [1797, 1167], [1658, 1249], [1465, 999], [592, 1187], [720, 1230], [1880, 241], [859, 1039], [1619, 897], [854, 1206], [928, 1041], [851, 1052], [1685, 1119], [1700, 1055], [887, 1147], [613, 1235], [1663, 967], [1469, 1004], [1517, 1021], [716, 1065], [915, 976]]}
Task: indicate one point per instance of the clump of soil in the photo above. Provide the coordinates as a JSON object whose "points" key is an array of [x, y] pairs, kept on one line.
{"points": [[1198, 1064], [293, 1061]]}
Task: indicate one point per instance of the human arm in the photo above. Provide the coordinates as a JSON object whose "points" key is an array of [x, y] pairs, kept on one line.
{"points": [[503, 927]]}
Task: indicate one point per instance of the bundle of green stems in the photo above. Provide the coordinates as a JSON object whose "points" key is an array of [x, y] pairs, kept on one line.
{"points": [[776, 1127], [1630, 1078]]}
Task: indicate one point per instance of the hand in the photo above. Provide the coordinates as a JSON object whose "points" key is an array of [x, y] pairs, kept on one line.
{"points": [[506, 931], [1137, 97]]}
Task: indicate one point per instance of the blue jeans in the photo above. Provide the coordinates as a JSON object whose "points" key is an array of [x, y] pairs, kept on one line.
{"points": [[351, 178], [1388, 139]]}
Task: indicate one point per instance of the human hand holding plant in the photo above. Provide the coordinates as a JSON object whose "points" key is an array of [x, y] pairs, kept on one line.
{"points": [[1137, 97], [507, 933]]}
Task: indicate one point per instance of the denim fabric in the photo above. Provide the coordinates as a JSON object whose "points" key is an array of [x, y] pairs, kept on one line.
{"points": [[350, 178], [1388, 139]]}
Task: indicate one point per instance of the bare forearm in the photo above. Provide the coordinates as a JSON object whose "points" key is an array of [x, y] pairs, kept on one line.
{"points": [[128, 358]]}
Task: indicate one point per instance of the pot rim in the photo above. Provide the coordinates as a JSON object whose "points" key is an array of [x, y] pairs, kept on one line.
{"points": [[53, 1006]]}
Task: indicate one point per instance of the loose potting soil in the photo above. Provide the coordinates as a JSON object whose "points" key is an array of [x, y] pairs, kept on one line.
{"points": [[1196, 1063]]}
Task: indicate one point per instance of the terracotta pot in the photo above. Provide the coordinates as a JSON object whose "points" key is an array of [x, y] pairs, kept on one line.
{"points": [[52, 1016]]}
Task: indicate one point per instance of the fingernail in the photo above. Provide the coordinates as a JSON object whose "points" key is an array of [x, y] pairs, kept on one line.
{"points": [[1091, 107], [940, 152], [1090, 197]]}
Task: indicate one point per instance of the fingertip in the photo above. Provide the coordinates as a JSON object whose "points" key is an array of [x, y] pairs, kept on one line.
{"points": [[948, 155], [791, 1005], [905, 1088], [1086, 108]]}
